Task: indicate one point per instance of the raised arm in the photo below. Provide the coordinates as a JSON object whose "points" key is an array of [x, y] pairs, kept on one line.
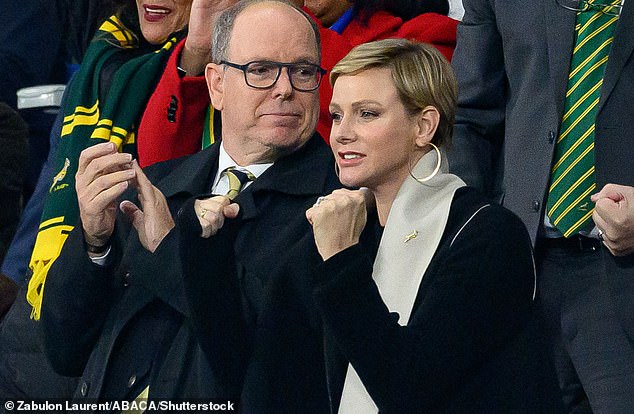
{"points": [[475, 298]]}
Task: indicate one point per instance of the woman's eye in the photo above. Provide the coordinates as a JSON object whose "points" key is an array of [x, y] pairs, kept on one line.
{"points": [[335, 116], [369, 114]]}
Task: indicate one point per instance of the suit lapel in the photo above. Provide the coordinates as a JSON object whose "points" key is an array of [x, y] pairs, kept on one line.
{"points": [[621, 51], [288, 175], [193, 176], [560, 34]]}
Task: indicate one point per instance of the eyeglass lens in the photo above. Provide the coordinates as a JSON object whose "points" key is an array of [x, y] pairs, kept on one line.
{"points": [[265, 74]]}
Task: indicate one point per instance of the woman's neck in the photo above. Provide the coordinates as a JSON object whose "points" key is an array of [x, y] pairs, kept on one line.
{"points": [[384, 197], [386, 192]]}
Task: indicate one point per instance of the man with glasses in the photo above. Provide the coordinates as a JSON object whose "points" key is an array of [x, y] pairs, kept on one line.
{"points": [[545, 125], [124, 323]]}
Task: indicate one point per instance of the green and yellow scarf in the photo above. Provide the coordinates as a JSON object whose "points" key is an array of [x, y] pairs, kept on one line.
{"points": [[89, 121]]}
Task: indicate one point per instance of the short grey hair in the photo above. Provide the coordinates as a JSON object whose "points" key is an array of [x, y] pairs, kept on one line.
{"points": [[225, 22]]}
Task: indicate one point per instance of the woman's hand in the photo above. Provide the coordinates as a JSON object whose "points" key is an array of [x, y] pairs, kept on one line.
{"points": [[197, 51], [338, 220]]}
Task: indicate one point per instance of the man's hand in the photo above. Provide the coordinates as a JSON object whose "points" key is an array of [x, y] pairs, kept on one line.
{"points": [[197, 51], [212, 212], [153, 221], [338, 220], [102, 176], [614, 216]]}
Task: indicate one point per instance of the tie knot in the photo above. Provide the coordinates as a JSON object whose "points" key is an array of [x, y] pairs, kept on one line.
{"points": [[237, 179]]}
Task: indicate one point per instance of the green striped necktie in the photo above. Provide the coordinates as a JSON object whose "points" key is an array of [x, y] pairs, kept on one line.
{"points": [[572, 179]]}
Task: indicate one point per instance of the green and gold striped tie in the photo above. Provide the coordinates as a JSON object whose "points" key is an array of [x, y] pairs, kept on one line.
{"points": [[572, 179], [237, 179]]}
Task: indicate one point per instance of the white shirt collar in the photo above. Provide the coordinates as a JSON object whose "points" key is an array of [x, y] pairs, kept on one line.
{"points": [[225, 161]]}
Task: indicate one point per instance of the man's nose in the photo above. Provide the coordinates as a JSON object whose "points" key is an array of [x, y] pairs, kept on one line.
{"points": [[283, 87]]}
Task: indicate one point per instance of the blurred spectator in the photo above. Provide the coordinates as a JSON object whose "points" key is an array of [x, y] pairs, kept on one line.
{"points": [[543, 123], [14, 144], [24, 371], [408, 9], [346, 24], [42, 43], [31, 51]]}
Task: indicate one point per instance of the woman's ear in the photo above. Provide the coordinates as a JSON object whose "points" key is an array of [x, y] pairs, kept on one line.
{"points": [[214, 75], [428, 119]]}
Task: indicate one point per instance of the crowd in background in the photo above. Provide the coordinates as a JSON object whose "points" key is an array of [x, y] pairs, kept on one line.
{"points": [[518, 297]]}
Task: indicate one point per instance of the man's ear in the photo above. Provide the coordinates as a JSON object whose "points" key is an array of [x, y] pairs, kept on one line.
{"points": [[214, 75], [428, 120]]}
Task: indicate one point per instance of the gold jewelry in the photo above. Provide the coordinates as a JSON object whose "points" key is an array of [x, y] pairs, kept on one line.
{"points": [[202, 213], [433, 174], [319, 200], [411, 236]]}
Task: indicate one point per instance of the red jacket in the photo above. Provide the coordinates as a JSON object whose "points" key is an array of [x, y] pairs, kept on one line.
{"points": [[172, 124], [160, 138], [432, 28]]}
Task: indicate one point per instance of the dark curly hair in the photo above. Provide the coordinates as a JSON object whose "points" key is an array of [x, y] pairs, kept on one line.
{"points": [[405, 9]]}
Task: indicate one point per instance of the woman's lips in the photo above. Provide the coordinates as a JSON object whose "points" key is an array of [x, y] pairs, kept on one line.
{"points": [[155, 13], [350, 158]]}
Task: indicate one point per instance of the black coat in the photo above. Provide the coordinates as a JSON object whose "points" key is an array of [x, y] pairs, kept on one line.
{"points": [[128, 324], [472, 343], [251, 310]]}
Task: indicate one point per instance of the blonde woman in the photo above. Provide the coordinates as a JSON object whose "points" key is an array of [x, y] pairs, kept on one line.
{"points": [[440, 318]]}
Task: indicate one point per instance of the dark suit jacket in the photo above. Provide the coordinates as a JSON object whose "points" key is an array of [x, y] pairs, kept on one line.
{"points": [[512, 63], [472, 343], [130, 319], [251, 312]]}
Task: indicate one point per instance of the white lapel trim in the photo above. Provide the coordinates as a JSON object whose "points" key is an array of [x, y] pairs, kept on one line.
{"points": [[400, 265]]}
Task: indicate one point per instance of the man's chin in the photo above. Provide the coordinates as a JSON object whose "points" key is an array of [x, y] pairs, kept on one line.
{"points": [[284, 142]]}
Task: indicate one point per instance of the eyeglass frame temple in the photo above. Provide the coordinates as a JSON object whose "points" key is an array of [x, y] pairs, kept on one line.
{"points": [[588, 6]]}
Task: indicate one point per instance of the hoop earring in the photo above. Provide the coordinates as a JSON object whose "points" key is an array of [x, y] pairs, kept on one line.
{"points": [[433, 174], [337, 170]]}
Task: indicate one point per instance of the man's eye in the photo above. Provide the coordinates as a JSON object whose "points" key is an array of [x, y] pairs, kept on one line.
{"points": [[261, 70], [305, 71], [335, 116], [369, 114]]}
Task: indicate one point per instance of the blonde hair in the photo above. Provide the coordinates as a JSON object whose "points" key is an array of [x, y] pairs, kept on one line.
{"points": [[421, 74]]}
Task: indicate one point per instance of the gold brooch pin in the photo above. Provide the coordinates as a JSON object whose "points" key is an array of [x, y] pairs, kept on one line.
{"points": [[411, 236]]}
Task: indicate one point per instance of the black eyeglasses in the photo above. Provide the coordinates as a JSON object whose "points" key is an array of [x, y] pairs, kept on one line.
{"points": [[263, 74], [611, 9]]}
